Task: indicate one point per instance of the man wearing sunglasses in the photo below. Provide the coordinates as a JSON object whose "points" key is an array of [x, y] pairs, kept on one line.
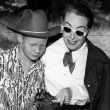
{"points": [[77, 72]]}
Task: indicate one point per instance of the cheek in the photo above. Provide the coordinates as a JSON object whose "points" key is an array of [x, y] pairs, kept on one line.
{"points": [[27, 49], [42, 50], [75, 46], [66, 36], [80, 42]]}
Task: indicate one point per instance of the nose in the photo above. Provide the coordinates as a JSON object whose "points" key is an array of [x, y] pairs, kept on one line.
{"points": [[37, 49], [72, 35]]}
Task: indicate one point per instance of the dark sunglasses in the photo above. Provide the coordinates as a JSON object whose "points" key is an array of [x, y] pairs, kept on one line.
{"points": [[69, 30]]}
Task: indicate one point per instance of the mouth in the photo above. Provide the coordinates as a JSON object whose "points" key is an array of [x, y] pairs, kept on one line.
{"points": [[36, 56], [72, 42]]}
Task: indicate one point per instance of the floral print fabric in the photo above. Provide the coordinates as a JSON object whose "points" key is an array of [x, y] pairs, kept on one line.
{"points": [[17, 91]]}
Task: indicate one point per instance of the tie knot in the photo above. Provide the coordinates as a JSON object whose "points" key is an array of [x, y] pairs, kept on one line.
{"points": [[67, 60]]}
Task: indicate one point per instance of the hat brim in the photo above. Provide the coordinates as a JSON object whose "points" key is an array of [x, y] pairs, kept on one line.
{"points": [[51, 32]]}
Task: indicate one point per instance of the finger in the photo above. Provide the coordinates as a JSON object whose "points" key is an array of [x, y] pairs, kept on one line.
{"points": [[66, 102], [66, 99], [58, 95], [56, 101], [62, 101]]}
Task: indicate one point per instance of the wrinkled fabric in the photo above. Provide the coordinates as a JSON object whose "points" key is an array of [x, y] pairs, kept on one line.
{"points": [[58, 76], [17, 90], [67, 60]]}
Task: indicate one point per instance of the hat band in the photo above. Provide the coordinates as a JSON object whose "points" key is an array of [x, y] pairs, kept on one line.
{"points": [[33, 31]]}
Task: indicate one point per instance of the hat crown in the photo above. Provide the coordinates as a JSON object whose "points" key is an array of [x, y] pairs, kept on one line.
{"points": [[35, 21], [35, 24]]}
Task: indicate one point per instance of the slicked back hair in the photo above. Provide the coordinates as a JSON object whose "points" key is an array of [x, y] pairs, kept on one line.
{"points": [[79, 9]]}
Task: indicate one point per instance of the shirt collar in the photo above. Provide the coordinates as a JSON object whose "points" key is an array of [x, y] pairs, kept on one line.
{"points": [[77, 53], [37, 65], [81, 51]]}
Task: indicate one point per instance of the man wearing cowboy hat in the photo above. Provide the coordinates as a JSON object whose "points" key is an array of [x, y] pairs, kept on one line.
{"points": [[21, 71]]}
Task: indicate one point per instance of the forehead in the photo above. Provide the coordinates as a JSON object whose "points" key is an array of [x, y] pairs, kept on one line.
{"points": [[75, 20], [33, 40]]}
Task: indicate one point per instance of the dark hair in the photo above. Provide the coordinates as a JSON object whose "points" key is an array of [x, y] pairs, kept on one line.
{"points": [[79, 9]]}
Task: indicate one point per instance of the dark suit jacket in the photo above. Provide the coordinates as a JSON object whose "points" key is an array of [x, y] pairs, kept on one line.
{"points": [[97, 78]]}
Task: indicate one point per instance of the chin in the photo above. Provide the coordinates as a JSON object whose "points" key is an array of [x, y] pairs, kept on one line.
{"points": [[74, 47], [71, 47], [33, 59]]}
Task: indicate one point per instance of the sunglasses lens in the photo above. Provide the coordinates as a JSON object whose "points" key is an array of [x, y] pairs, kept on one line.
{"points": [[66, 29], [79, 33]]}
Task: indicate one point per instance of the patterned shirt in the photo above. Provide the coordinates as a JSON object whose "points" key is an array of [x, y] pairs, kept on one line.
{"points": [[17, 91]]}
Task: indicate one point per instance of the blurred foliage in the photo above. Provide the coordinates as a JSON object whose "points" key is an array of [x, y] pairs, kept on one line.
{"points": [[54, 10], [54, 7]]}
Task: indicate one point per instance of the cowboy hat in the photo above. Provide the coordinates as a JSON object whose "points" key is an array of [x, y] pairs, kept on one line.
{"points": [[35, 24]]}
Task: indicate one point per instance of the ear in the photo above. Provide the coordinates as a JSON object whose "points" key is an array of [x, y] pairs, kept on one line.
{"points": [[20, 38]]}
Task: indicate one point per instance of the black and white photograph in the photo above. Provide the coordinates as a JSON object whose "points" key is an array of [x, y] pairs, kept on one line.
{"points": [[54, 54]]}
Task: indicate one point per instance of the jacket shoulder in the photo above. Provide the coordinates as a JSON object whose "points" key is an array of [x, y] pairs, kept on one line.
{"points": [[97, 53]]}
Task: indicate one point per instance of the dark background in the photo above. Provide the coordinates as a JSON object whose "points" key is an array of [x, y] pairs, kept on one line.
{"points": [[51, 6]]}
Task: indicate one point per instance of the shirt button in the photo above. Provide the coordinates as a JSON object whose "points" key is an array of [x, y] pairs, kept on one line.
{"points": [[88, 85], [100, 76]]}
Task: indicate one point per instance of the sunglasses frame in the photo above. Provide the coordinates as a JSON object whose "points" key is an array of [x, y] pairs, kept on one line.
{"points": [[72, 30]]}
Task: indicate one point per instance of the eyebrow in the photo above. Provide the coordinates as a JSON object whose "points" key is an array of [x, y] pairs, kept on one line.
{"points": [[77, 27]]}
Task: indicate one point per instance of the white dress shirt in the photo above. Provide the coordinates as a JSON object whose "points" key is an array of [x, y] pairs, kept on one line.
{"points": [[57, 76]]}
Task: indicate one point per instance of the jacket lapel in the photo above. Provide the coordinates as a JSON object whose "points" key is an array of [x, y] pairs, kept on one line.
{"points": [[89, 65], [94, 55]]}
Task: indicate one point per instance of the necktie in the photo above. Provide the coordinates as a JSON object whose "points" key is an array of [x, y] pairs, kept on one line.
{"points": [[67, 60]]}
